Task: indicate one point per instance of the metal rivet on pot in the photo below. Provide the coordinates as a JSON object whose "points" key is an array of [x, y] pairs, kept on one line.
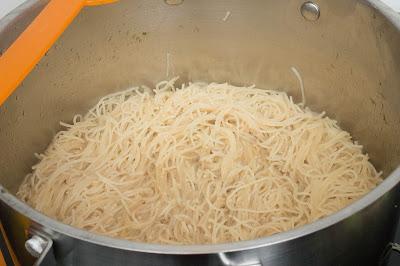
{"points": [[35, 245], [173, 2], [310, 11]]}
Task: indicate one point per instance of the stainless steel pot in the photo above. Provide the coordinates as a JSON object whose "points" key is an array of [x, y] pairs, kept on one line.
{"points": [[349, 58]]}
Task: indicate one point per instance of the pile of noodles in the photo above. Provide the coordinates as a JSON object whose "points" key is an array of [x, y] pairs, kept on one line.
{"points": [[205, 163]]}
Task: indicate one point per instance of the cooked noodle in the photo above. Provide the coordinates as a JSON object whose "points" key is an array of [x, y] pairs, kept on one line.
{"points": [[205, 163]]}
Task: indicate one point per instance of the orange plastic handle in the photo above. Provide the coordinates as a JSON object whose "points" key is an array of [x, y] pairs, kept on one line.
{"points": [[22, 56], [7, 255]]}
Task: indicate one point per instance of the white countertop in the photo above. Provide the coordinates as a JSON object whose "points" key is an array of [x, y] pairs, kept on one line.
{"points": [[7, 5]]}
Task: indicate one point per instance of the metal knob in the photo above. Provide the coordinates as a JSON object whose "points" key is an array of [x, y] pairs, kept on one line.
{"points": [[310, 11]]}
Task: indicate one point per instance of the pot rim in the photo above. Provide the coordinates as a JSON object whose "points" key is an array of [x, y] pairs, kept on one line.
{"points": [[60, 228]]}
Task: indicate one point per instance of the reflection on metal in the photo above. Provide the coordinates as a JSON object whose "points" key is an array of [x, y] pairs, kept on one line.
{"points": [[227, 261], [174, 2], [310, 11]]}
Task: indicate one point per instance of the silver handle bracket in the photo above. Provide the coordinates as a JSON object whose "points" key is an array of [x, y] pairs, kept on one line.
{"points": [[40, 246]]}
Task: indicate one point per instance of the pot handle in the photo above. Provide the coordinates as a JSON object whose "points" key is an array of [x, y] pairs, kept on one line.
{"points": [[226, 261], [391, 247], [40, 246], [7, 255], [27, 50]]}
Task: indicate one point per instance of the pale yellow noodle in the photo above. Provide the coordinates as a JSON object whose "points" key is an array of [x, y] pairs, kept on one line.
{"points": [[204, 163]]}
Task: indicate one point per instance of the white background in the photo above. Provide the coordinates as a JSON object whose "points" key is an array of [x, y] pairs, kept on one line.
{"points": [[7, 5], [395, 4]]}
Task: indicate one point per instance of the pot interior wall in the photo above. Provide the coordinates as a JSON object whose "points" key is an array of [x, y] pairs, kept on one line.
{"points": [[349, 60]]}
